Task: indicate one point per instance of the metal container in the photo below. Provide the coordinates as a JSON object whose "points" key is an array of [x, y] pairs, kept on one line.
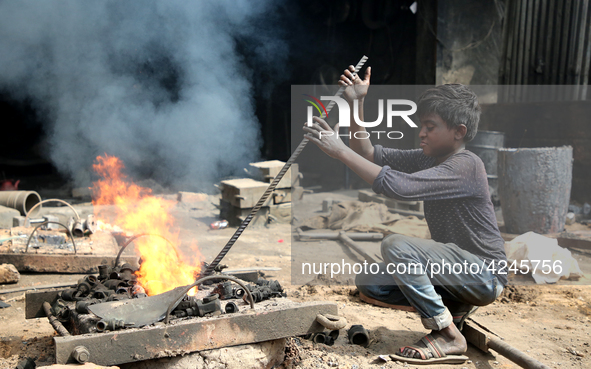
{"points": [[534, 188], [485, 145], [20, 200]]}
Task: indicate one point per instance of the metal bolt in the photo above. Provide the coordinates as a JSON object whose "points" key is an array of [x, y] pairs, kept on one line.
{"points": [[81, 354]]}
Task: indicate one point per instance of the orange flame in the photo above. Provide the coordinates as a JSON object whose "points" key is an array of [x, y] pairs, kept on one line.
{"points": [[139, 212]]}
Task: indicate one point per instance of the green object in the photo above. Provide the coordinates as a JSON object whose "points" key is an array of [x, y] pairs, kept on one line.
{"points": [[2, 240]]}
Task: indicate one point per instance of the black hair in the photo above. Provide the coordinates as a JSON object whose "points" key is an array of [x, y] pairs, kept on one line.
{"points": [[456, 104]]}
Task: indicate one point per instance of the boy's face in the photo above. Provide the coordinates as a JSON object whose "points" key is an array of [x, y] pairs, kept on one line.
{"points": [[437, 139]]}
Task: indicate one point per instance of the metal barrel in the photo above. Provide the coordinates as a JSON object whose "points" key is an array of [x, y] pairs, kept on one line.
{"points": [[20, 200], [534, 188], [485, 145]]}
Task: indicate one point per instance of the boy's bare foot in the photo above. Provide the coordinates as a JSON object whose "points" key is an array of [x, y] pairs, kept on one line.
{"points": [[449, 339]]}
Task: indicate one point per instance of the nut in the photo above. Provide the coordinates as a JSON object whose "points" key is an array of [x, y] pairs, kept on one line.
{"points": [[81, 354]]}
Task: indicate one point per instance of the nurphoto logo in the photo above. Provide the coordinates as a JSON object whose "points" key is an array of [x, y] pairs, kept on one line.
{"points": [[345, 113]]}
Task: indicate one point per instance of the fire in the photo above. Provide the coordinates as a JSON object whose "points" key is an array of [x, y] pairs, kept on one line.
{"points": [[139, 212]]}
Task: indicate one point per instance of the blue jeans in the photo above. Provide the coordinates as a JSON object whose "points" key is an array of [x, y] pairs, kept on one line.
{"points": [[421, 273]]}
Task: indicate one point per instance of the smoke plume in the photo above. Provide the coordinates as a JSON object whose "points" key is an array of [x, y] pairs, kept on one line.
{"points": [[159, 84]]}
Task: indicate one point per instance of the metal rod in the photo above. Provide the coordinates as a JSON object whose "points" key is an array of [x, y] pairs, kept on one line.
{"points": [[334, 235], [211, 267], [56, 324], [47, 222], [514, 354], [43, 287], [141, 235], [50, 200], [349, 242]]}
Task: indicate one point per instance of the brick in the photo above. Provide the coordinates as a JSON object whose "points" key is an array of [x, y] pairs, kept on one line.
{"points": [[235, 215], [268, 170]]}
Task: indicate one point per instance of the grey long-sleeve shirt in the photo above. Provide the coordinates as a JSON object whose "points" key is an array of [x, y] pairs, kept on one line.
{"points": [[456, 198]]}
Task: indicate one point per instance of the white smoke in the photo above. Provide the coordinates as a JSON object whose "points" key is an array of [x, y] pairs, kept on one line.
{"points": [[158, 84]]}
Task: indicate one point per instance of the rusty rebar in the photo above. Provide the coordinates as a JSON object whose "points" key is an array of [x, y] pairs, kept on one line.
{"points": [[211, 267], [52, 222]]}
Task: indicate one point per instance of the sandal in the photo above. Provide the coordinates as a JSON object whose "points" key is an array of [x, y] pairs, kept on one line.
{"points": [[431, 353]]}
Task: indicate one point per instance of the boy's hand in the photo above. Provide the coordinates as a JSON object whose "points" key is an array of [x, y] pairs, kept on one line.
{"points": [[325, 137], [356, 87]]}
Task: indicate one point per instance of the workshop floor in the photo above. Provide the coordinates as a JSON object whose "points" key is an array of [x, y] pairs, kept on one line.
{"points": [[550, 323]]}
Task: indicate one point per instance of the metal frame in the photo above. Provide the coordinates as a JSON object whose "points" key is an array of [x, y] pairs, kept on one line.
{"points": [[62, 263], [266, 323]]}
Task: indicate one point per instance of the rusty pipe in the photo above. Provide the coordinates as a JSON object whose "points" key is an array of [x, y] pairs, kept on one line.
{"points": [[358, 335], [335, 235], [56, 324], [78, 229], [513, 354], [23, 201]]}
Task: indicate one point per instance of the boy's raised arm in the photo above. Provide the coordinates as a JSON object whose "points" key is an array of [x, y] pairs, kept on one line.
{"points": [[357, 90]]}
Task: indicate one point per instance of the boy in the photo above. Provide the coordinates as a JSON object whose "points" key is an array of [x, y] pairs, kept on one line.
{"points": [[453, 185]]}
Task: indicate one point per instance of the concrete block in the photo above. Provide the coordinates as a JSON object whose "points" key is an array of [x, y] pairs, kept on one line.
{"points": [[235, 215], [266, 171], [18, 221], [7, 215], [244, 193], [51, 226]]}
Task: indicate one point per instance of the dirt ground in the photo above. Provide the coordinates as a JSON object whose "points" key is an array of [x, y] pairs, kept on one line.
{"points": [[551, 323]]}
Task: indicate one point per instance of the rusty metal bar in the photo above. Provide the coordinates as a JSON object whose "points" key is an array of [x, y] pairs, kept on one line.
{"points": [[478, 335], [516, 356], [346, 238], [349, 242], [56, 324], [196, 334], [47, 222], [335, 235], [211, 267], [61, 263]]}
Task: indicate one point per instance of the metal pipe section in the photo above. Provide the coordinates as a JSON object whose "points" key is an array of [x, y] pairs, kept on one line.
{"points": [[358, 335], [56, 324], [201, 280], [335, 235], [515, 355], [23, 201]]}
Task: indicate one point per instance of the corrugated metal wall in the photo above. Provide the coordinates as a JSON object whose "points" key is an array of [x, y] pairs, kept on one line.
{"points": [[545, 42]]}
